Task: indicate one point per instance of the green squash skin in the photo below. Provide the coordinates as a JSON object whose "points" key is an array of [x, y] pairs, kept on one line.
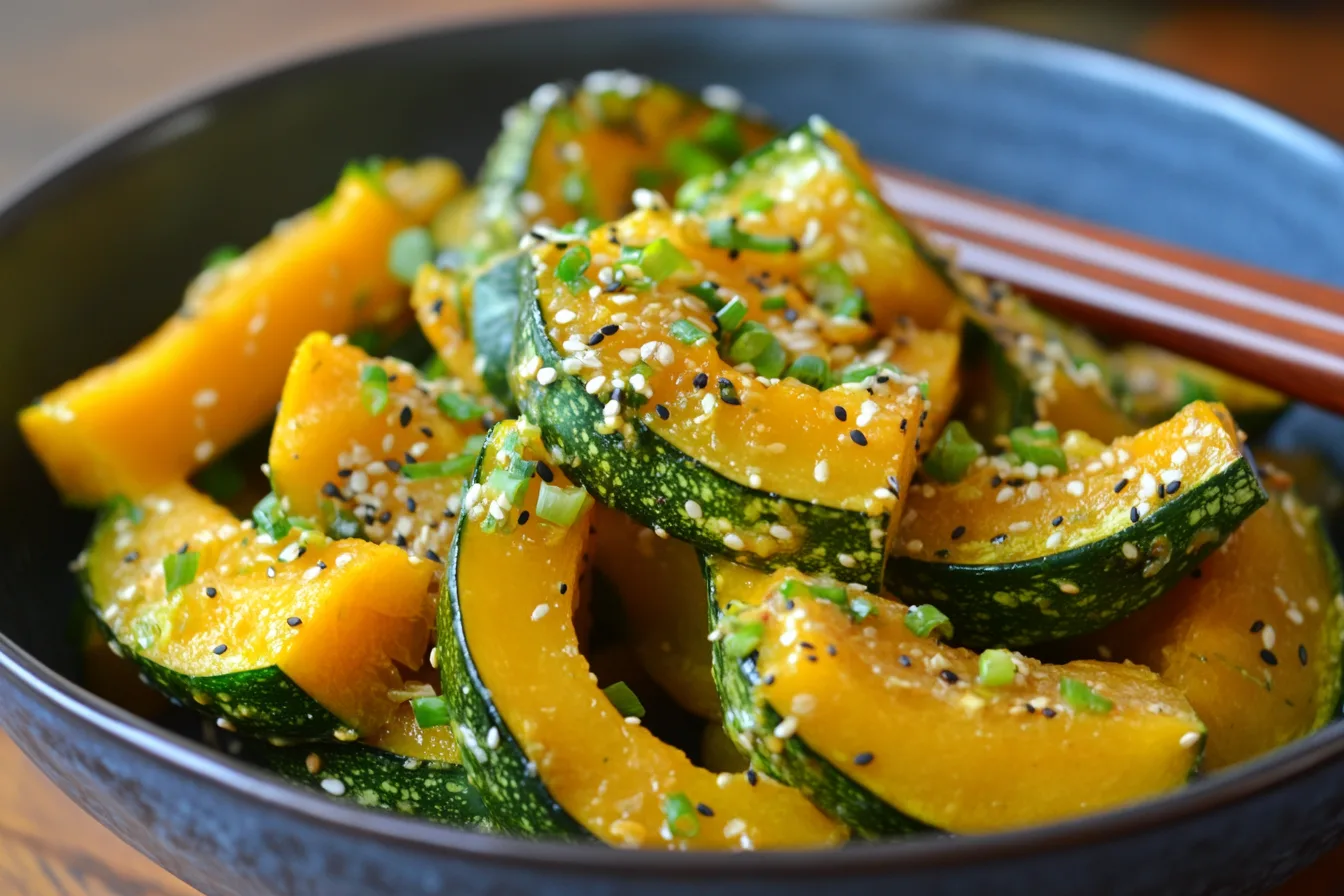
{"points": [[511, 790], [993, 383], [747, 718], [261, 702], [494, 316], [650, 480], [378, 779], [1020, 603], [502, 179]]}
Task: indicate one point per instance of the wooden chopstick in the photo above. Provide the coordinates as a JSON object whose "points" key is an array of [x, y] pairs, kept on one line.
{"points": [[1275, 329]]}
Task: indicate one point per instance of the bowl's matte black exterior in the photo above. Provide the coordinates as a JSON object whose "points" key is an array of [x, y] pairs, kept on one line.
{"points": [[94, 251]]}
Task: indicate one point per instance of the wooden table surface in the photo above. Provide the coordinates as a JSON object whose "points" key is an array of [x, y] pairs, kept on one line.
{"points": [[67, 66]]}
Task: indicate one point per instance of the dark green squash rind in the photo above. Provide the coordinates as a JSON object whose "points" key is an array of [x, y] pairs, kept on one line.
{"points": [[650, 479], [494, 316], [1020, 603], [507, 781], [744, 717]]}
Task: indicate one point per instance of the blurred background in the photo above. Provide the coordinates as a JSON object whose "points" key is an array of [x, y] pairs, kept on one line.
{"points": [[71, 66]]}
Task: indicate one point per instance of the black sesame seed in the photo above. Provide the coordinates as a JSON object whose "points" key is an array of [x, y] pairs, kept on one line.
{"points": [[858, 437], [1257, 626], [751, 776], [385, 517], [408, 457], [725, 383], [807, 645], [904, 661], [331, 490], [596, 338], [1173, 486], [1031, 709], [183, 549], [958, 532], [437, 307], [393, 464], [948, 676], [830, 649], [544, 471], [995, 481], [662, 412], [1048, 713], [131, 557], [294, 621], [916, 444], [941, 552], [701, 380], [769, 679], [344, 472], [1302, 654], [405, 418], [211, 591], [564, 587], [411, 505], [427, 432], [1120, 486], [433, 556], [999, 539], [704, 810], [794, 245], [524, 517], [733, 254], [220, 648], [841, 414], [321, 564], [1057, 520], [863, 758], [609, 329], [400, 540], [1269, 658], [1134, 514], [904, 424]]}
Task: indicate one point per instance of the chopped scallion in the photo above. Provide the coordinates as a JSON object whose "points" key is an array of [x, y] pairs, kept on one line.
{"points": [[1082, 698], [179, 570], [757, 202], [707, 293], [721, 136], [512, 485], [572, 266], [431, 712], [408, 250], [811, 370], [750, 340], [624, 699], [724, 234], [1039, 445], [952, 454], [774, 303], [120, 505], [690, 160], [460, 407], [219, 256], [373, 387], [660, 260], [743, 637], [772, 361], [688, 333], [730, 316], [434, 368], [997, 668], [680, 814], [926, 619], [460, 465], [794, 589], [270, 518], [560, 505]]}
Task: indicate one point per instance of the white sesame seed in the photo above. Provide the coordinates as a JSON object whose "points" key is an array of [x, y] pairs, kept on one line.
{"points": [[204, 450], [1068, 587], [540, 611], [546, 376], [492, 738], [1005, 494], [822, 471], [595, 384], [333, 786], [846, 560], [1268, 637], [803, 704], [733, 541], [734, 828], [206, 398], [1178, 457], [724, 780], [693, 510], [1075, 488], [1054, 540], [311, 573], [783, 533], [1019, 526], [1130, 550], [786, 728], [1294, 615], [914, 546], [571, 366], [1033, 491], [1189, 739]]}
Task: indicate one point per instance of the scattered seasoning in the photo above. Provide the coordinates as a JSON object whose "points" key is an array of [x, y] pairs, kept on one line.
{"points": [[1134, 514], [751, 776], [863, 758], [219, 649], [1256, 626], [949, 676], [701, 380], [405, 417], [841, 414], [704, 810], [294, 622], [830, 650], [1302, 654], [1269, 657], [1120, 486], [1048, 713], [210, 591], [904, 661], [1173, 486], [609, 329], [545, 472], [564, 587], [1057, 520], [960, 531], [331, 490], [858, 437], [131, 557], [662, 412], [597, 337], [998, 539], [522, 519]]}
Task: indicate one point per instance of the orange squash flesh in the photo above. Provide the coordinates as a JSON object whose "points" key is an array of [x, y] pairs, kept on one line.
{"points": [[905, 719], [609, 776], [1254, 641], [441, 300], [403, 736], [329, 453], [363, 609], [212, 372]]}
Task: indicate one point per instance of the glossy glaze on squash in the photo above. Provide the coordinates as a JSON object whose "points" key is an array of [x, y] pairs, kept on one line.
{"points": [[331, 457], [548, 751], [211, 373], [772, 471], [1016, 556], [299, 638], [819, 190], [889, 731], [1253, 637], [1157, 383]]}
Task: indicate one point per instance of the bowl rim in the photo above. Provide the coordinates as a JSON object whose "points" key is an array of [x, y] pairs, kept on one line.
{"points": [[159, 120]]}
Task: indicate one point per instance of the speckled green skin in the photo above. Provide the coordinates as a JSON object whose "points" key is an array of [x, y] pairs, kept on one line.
{"points": [[378, 779], [502, 179], [651, 480], [995, 385], [1020, 603], [744, 713], [494, 316], [507, 780]]}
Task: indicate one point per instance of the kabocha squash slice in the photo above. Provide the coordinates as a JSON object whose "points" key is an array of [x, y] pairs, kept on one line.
{"points": [[440, 300], [365, 446], [1158, 383], [648, 398], [212, 372], [549, 753], [1252, 637], [831, 690], [399, 768], [301, 637], [812, 185], [1015, 556]]}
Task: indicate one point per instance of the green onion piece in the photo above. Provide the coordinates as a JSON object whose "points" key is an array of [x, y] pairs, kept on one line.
{"points": [[650, 178], [341, 522], [222, 480], [688, 333], [750, 340], [460, 465], [624, 699], [303, 523], [694, 190], [724, 234], [924, 389], [580, 226], [572, 266], [730, 316], [560, 505], [811, 370], [680, 814], [834, 594], [1192, 388], [707, 293], [660, 260], [460, 407], [925, 619], [120, 505], [997, 668], [434, 368], [431, 712], [851, 307], [774, 303], [179, 570], [721, 136], [631, 254], [369, 170], [793, 589], [689, 160], [270, 517], [952, 454], [642, 369], [509, 483], [408, 251], [373, 387], [366, 339], [220, 255], [772, 361], [757, 202], [861, 608], [743, 638], [1083, 698], [1039, 446]]}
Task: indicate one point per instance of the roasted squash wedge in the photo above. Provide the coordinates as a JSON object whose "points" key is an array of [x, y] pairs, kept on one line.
{"points": [[1253, 637], [440, 300], [212, 372], [548, 751], [812, 186], [1016, 553], [300, 638], [660, 408], [889, 730], [1158, 383], [365, 446], [399, 768]]}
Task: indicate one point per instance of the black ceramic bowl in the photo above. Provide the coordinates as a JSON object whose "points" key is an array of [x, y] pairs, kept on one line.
{"points": [[95, 250]]}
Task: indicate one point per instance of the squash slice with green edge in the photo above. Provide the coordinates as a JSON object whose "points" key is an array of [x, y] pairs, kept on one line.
{"points": [[662, 597], [1015, 560], [662, 410], [811, 186], [1157, 383], [549, 753], [831, 690], [365, 446], [1024, 365], [211, 373], [302, 637], [399, 768], [440, 299], [1253, 637]]}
